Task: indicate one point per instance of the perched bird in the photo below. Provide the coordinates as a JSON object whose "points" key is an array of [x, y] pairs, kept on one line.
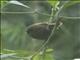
{"points": [[40, 31]]}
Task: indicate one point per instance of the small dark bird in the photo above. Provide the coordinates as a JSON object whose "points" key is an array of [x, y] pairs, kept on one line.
{"points": [[40, 31]]}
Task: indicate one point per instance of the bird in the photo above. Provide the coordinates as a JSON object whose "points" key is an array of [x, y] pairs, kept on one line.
{"points": [[40, 31]]}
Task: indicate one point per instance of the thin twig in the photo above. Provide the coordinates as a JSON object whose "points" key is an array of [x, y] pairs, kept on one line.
{"points": [[51, 17], [16, 12], [53, 30]]}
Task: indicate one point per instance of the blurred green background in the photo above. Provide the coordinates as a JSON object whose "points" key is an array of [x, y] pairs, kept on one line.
{"points": [[16, 16]]}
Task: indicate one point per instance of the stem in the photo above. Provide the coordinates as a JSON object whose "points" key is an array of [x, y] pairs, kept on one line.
{"points": [[51, 16], [54, 28], [57, 22]]}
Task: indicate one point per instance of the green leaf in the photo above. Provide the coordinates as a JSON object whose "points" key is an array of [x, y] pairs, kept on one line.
{"points": [[6, 51], [23, 53], [7, 55], [54, 3], [49, 50], [3, 3], [44, 55], [19, 3]]}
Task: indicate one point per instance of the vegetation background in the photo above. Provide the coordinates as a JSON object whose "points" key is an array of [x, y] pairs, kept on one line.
{"points": [[17, 15]]}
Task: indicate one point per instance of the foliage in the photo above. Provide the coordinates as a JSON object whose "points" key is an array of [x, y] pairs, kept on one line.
{"points": [[15, 18], [3, 3]]}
